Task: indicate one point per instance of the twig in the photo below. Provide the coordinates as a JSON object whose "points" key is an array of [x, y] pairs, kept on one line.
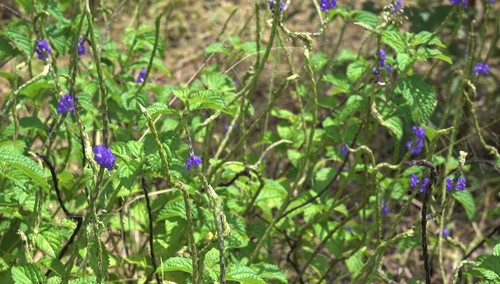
{"points": [[150, 215]]}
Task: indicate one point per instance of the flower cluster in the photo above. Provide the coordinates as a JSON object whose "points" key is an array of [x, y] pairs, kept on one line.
{"points": [[193, 161], [104, 157], [66, 104], [382, 60], [326, 5], [414, 182], [142, 76], [482, 69], [460, 184], [81, 47], [416, 146], [42, 49], [458, 2], [271, 5]]}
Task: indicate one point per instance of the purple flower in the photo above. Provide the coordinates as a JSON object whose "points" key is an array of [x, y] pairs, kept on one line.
{"points": [[42, 49], [271, 5], [397, 5], [104, 157], [389, 68], [449, 184], [461, 184], [142, 76], [348, 228], [326, 5], [482, 69], [413, 181], [381, 56], [446, 233], [192, 161], [81, 47], [425, 183], [417, 145], [457, 2], [66, 104], [491, 1], [385, 208], [344, 149]]}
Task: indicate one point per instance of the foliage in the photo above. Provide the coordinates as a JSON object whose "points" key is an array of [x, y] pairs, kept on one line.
{"points": [[285, 156]]}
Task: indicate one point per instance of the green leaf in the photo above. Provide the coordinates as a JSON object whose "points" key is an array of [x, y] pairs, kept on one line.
{"points": [[467, 201], [365, 17], [54, 280], [323, 178], [496, 250], [86, 280], [490, 267], [419, 97], [403, 60], [27, 273], [341, 83], [177, 264], [355, 70], [242, 274], [354, 103], [426, 37], [270, 271], [98, 262], [393, 124], [216, 47], [24, 164], [395, 40], [207, 99], [355, 263], [49, 240], [7, 49], [17, 37], [318, 61]]}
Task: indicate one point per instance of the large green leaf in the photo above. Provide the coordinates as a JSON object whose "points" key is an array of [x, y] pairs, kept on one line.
{"points": [[395, 40], [27, 273], [490, 268], [243, 274], [49, 240], [354, 103], [177, 264], [419, 97], [270, 272], [467, 201], [24, 164], [19, 39]]}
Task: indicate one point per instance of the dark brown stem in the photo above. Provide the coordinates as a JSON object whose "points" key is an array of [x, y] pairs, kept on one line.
{"points": [[150, 215]]}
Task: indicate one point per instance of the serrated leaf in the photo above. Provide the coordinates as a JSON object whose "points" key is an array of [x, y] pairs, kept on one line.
{"points": [[420, 97], [403, 60], [19, 39], [49, 240], [496, 250], [174, 208], [365, 17], [27, 273], [207, 99], [355, 263], [158, 108], [490, 267], [54, 280], [270, 271], [318, 61], [393, 124], [243, 274], [355, 70], [340, 82], [467, 201], [177, 264], [98, 262], [24, 164], [86, 280], [7, 49], [354, 103], [427, 38], [323, 177], [395, 40], [216, 47]]}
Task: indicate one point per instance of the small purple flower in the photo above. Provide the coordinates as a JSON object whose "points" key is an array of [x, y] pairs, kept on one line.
{"points": [[104, 157], [417, 145], [81, 47], [449, 184], [457, 2], [344, 150], [326, 5], [429, 216], [142, 76], [425, 184], [389, 68], [385, 208], [348, 228], [461, 184], [42, 49], [66, 104], [397, 5], [193, 161], [413, 181], [482, 69], [381, 56], [271, 5], [446, 233]]}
